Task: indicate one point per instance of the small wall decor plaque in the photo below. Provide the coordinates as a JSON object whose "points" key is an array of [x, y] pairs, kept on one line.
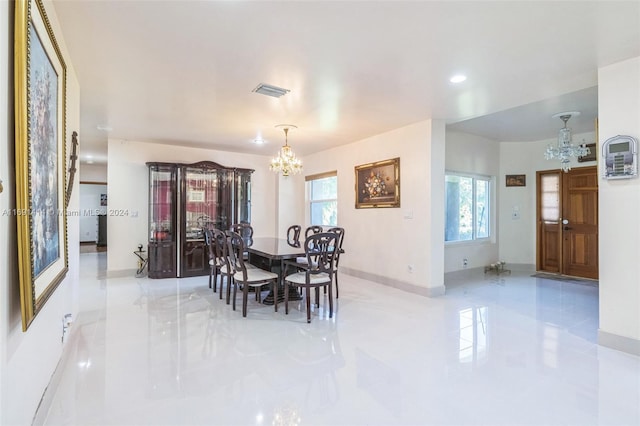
{"points": [[516, 180], [591, 156]]}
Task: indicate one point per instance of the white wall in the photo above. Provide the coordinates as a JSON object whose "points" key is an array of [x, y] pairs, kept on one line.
{"points": [[517, 237], [128, 191], [291, 190], [28, 359], [467, 153], [380, 243], [93, 172], [619, 210]]}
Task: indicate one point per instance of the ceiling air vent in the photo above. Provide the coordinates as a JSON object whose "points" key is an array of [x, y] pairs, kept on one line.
{"points": [[269, 90]]}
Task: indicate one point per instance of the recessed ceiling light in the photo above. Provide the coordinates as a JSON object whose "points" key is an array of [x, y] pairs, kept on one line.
{"points": [[459, 78], [259, 141], [104, 127]]}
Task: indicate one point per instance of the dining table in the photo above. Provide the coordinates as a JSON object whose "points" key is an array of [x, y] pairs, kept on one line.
{"points": [[268, 253]]}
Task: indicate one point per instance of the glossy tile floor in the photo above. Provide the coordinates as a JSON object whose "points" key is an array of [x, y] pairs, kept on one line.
{"points": [[498, 351]]}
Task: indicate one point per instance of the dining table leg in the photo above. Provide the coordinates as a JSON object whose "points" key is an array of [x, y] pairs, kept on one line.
{"points": [[293, 292]]}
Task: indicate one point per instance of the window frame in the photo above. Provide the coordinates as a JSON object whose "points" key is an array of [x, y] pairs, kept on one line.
{"points": [[311, 201], [490, 202]]}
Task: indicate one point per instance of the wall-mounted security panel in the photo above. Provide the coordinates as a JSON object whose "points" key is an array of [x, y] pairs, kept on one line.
{"points": [[620, 156]]}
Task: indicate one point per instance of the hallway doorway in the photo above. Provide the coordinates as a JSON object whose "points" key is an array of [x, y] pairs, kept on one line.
{"points": [[93, 208]]}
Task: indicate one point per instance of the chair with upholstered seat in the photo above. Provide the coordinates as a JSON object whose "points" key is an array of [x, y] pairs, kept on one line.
{"points": [[318, 271], [247, 276]]}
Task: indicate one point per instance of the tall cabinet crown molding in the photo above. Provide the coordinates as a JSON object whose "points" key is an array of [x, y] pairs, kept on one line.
{"points": [[184, 199]]}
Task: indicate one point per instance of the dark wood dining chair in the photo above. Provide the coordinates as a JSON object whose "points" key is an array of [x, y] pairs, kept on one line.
{"points": [[222, 267], [247, 276], [317, 272], [245, 230], [313, 229], [293, 235], [213, 261], [340, 232]]}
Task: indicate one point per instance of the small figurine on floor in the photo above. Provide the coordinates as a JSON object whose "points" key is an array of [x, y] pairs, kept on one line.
{"points": [[497, 267]]}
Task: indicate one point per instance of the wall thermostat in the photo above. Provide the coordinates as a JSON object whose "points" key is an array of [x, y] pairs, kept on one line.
{"points": [[620, 155]]}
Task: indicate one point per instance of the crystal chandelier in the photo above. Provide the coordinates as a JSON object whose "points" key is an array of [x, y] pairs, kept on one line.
{"points": [[286, 162], [564, 150]]}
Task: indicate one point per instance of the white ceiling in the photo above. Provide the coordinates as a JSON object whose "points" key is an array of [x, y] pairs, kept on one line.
{"points": [[182, 72]]}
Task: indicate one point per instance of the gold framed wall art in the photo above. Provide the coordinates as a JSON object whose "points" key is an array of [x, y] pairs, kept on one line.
{"points": [[40, 134], [378, 184]]}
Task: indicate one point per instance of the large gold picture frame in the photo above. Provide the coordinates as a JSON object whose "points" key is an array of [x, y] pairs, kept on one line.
{"points": [[378, 184], [40, 134]]}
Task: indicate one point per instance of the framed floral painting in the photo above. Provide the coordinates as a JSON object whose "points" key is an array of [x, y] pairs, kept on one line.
{"points": [[378, 184]]}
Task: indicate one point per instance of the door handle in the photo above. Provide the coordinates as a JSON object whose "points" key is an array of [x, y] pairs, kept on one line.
{"points": [[566, 228]]}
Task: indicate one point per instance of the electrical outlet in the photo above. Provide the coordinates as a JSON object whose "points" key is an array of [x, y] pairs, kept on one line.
{"points": [[67, 319], [465, 262]]}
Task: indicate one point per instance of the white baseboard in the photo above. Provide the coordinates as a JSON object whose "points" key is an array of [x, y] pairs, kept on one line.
{"points": [[392, 282], [42, 411], [121, 273], [620, 343]]}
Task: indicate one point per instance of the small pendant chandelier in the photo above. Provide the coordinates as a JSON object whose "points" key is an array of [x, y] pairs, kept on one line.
{"points": [[564, 149], [286, 162]]}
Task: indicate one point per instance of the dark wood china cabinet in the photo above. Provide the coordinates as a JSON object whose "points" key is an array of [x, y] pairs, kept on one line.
{"points": [[183, 200]]}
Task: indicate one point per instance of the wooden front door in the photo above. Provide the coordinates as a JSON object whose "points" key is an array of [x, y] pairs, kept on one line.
{"points": [[567, 222], [580, 222]]}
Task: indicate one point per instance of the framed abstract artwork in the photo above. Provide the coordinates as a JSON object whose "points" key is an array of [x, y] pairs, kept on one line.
{"points": [[378, 184], [40, 134]]}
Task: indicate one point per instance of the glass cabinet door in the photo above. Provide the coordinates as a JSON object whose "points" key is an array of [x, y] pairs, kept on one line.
{"points": [[205, 204], [243, 197], [225, 213], [161, 203], [162, 220], [200, 201]]}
